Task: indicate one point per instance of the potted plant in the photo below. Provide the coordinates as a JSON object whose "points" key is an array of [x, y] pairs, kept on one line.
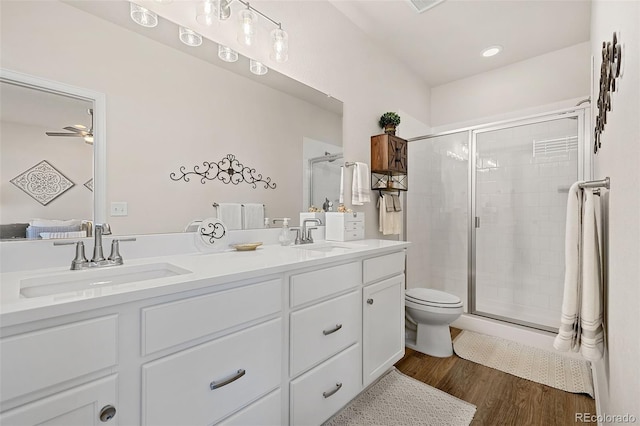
{"points": [[389, 121]]}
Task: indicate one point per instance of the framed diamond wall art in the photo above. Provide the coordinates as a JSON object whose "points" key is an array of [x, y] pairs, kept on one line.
{"points": [[43, 182]]}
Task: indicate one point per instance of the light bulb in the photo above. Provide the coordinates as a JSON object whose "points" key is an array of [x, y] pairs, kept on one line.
{"points": [[279, 45], [247, 30], [258, 68], [227, 54], [142, 16]]}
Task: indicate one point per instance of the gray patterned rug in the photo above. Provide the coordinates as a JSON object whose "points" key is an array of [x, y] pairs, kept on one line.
{"points": [[399, 400], [538, 365]]}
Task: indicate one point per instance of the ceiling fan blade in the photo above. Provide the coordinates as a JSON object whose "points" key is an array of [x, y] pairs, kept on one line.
{"points": [[74, 129], [64, 134]]}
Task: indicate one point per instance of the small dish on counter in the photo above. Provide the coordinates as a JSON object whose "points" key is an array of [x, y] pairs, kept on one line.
{"points": [[246, 246]]}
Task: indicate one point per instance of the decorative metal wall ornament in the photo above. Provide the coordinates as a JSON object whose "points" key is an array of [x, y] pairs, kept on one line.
{"points": [[609, 72], [214, 231], [228, 170], [43, 182], [89, 184]]}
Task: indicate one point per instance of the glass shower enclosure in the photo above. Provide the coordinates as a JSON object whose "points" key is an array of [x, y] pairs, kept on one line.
{"points": [[487, 214]]}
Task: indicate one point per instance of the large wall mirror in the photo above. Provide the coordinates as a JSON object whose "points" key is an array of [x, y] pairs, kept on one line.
{"points": [[168, 107]]}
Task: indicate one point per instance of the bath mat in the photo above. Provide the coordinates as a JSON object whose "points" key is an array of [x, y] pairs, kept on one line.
{"points": [[538, 365], [400, 400]]}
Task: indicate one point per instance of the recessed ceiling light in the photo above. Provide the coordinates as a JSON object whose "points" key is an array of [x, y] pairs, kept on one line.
{"points": [[491, 51]]}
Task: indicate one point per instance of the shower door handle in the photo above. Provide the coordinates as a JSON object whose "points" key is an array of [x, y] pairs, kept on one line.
{"points": [[477, 222]]}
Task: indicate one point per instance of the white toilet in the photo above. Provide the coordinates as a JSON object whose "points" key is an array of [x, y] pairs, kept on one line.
{"points": [[428, 315]]}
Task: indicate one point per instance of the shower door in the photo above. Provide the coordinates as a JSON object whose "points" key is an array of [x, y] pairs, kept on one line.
{"points": [[520, 179]]}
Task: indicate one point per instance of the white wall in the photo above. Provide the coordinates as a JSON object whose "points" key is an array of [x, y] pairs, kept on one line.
{"points": [[619, 158], [524, 86]]}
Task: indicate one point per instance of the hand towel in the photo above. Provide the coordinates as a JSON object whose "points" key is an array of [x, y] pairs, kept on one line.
{"points": [[360, 187], [390, 222], [397, 206], [341, 199], [253, 215], [35, 231], [568, 334], [388, 202], [592, 338], [231, 215], [55, 222]]}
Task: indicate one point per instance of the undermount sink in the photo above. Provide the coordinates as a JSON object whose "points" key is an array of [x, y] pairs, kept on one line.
{"points": [[96, 278], [326, 246]]}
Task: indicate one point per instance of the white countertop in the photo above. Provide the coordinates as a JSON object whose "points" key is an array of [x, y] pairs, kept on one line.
{"points": [[204, 270]]}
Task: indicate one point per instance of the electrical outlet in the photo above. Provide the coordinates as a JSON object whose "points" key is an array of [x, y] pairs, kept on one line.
{"points": [[118, 208]]}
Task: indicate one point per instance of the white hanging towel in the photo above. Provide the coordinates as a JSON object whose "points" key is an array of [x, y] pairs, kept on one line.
{"points": [[390, 221], [568, 334], [360, 186], [253, 215], [341, 200], [581, 321], [231, 215], [592, 339]]}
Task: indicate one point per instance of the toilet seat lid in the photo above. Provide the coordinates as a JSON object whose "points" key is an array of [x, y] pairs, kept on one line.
{"points": [[422, 295]]}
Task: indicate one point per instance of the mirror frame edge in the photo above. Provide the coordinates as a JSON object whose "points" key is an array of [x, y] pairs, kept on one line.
{"points": [[99, 128]]}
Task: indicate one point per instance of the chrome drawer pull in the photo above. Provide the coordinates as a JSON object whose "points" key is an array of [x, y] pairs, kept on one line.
{"points": [[221, 383], [333, 330], [328, 394]]}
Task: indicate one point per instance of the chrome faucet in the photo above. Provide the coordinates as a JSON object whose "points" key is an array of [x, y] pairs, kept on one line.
{"points": [[97, 261], [307, 238]]}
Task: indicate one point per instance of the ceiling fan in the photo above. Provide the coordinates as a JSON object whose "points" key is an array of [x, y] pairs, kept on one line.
{"points": [[78, 130]]}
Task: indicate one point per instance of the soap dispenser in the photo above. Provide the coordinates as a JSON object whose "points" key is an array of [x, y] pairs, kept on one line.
{"points": [[285, 234]]}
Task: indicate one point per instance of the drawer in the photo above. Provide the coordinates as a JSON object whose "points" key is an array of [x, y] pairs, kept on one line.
{"points": [[325, 282], [266, 411], [353, 226], [177, 389], [321, 392], [36, 360], [383, 266], [313, 338], [173, 323]]}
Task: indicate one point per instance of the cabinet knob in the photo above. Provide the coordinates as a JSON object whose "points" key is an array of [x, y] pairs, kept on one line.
{"points": [[370, 301], [107, 413]]}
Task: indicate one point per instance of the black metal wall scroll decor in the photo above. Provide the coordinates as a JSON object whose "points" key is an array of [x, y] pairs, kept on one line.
{"points": [[609, 72], [228, 170], [216, 231]]}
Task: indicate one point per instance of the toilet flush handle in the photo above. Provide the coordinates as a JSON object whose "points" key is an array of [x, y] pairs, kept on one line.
{"points": [[370, 301]]}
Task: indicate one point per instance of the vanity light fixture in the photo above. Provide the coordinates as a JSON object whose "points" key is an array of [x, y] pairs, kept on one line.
{"points": [[258, 68], [163, 1], [143, 16], [190, 37], [491, 51], [206, 13], [227, 54]]}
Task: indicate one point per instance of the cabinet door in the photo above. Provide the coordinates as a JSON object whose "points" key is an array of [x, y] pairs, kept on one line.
{"points": [[80, 406], [383, 326], [397, 154]]}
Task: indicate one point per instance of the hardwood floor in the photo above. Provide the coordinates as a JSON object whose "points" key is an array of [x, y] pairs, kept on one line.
{"points": [[500, 398]]}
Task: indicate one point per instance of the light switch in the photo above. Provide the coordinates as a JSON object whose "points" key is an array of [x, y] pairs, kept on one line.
{"points": [[118, 208]]}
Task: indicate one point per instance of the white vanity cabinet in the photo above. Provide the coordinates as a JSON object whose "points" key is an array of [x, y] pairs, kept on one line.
{"points": [[291, 344], [382, 314]]}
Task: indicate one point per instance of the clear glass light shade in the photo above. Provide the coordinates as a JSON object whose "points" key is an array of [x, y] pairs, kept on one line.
{"points": [[163, 1], [247, 31], [142, 16], [227, 54], [279, 45], [258, 68], [190, 37], [207, 12]]}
